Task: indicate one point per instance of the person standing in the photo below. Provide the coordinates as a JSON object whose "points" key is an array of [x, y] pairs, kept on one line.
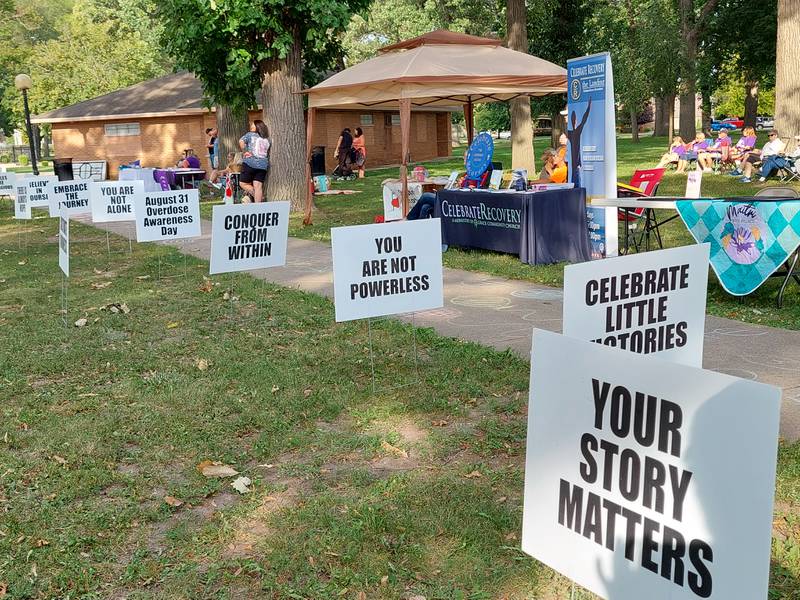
{"points": [[211, 146], [343, 146], [360, 151], [255, 147]]}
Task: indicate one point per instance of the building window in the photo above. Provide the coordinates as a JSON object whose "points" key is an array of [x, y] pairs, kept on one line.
{"points": [[395, 119], [122, 129], [366, 120]]}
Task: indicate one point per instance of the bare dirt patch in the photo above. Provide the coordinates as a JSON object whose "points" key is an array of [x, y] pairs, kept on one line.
{"points": [[256, 526]]}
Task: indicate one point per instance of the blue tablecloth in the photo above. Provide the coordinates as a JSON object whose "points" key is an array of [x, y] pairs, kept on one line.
{"points": [[541, 227], [750, 239]]}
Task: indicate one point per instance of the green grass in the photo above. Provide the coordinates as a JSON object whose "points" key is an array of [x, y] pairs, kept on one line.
{"points": [[355, 209], [99, 423]]}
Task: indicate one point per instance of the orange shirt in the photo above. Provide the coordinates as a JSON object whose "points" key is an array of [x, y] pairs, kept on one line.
{"points": [[359, 144]]}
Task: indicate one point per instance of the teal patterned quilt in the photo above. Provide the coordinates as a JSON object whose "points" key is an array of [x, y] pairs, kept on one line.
{"points": [[749, 240]]}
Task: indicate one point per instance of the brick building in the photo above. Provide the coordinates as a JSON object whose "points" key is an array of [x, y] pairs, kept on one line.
{"points": [[155, 120]]}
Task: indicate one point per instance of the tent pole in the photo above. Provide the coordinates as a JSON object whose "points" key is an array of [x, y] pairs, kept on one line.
{"points": [[405, 127], [307, 220], [468, 120]]}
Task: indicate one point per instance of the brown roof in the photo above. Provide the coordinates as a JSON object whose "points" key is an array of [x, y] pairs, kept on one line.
{"points": [[441, 37], [176, 93]]}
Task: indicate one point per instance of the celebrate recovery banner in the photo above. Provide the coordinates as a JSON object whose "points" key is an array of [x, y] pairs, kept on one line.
{"points": [[593, 144]]}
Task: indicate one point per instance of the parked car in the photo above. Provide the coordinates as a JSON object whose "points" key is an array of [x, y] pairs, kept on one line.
{"points": [[717, 125], [765, 123], [735, 121]]}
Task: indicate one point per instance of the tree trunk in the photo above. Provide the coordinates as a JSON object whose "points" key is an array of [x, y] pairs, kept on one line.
{"points": [[750, 102], [705, 113], [634, 125], [231, 125], [670, 114], [688, 120], [557, 122], [522, 153], [281, 80], [660, 121], [46, 144], [787, 75]]}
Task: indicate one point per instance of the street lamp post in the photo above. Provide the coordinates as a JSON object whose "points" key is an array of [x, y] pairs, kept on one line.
{"points": [[23, 83]]}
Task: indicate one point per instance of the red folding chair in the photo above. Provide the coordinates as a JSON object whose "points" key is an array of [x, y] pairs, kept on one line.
{"points": [[643, 184]]}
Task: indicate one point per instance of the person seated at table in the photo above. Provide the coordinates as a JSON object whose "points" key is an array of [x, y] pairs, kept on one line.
{"points": [[771, 164], [745, 144], [675, 154], [774, 147], [551, 173], [189, 160], [234, 166], [694, 148], [423, 209], [719, 149], [561, 155]]}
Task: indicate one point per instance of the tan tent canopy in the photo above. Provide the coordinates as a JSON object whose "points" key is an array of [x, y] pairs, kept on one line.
{"points": [[441, 68]]}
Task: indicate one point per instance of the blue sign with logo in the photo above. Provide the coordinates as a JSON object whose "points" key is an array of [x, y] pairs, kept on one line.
{"points": [[592, 144], [479, 155]]}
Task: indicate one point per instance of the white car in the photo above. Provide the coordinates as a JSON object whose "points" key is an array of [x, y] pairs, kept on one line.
{"points": [[765, 123]]}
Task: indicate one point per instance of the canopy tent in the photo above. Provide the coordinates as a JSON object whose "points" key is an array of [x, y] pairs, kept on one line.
{"points": [[441, 68]]}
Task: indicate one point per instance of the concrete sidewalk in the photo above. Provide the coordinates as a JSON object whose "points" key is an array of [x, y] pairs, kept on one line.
{"points": [[502, 313]]}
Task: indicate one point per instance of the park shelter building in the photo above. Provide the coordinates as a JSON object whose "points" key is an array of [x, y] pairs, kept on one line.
{"points": [[154, 121]]}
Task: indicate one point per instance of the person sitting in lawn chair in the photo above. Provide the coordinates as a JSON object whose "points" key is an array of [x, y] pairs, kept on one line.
{"points": [[739, 152], [694, 148], [774, 147], [717, 151], [773, 164], [675, 154]]}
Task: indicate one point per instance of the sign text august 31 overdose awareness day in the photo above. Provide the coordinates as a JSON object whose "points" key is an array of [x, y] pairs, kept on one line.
{"points": [[167, 215], [248, 236], [646, 478], [387, 269], [648, 303]]}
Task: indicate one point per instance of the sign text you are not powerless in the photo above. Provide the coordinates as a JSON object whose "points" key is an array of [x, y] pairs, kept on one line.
{"points": [[648, 303], [249, 236], [114, 200], [167, 215], [646, 478], [387, 268]]}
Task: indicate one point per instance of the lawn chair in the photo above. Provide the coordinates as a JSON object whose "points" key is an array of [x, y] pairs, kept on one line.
{"points": [[644, 183], [790, 173]]}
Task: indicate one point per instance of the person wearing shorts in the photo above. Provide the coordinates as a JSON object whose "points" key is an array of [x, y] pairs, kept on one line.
{"points": [[255, 147]]}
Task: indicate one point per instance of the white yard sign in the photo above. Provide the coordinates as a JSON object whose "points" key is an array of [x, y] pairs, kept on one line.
{"points": [[248, 236], [646, 478], [114, 200], [694, 181], [73, 196], [22, 208], [167, 215], [387, 269], [63, 241], [8, 183], [38, 188], [648, 303]]}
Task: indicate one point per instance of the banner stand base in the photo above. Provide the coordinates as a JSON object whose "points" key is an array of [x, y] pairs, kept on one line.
{"points": [[416, 378]]}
